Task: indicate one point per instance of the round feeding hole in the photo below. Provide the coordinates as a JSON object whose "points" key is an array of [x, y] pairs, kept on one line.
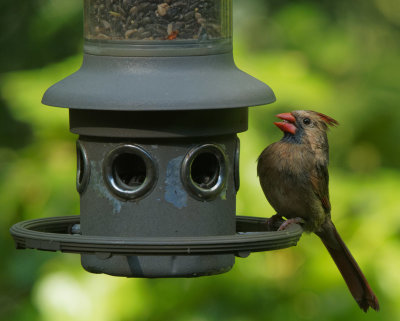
{"points": [[204, 171], [82, 168], [129, 171]]}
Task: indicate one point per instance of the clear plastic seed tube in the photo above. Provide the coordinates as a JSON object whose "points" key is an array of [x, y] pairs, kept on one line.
{"points": [[157, 20]]}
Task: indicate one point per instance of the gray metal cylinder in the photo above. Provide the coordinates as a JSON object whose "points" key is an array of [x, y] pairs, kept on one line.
{"points": [[152, 187]]}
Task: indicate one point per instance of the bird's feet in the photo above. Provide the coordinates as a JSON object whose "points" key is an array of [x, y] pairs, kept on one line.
{"points": [[274, 222], [287, 223]]}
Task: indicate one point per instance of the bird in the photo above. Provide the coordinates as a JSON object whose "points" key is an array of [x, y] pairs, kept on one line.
{"points": [[293, 174]]}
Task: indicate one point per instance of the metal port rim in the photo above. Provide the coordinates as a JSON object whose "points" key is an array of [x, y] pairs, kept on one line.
{"points": [[124, 191], [204, 194], [53, 234], [83, 168]]}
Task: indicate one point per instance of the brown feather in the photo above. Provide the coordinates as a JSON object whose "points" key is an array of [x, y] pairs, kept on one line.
{"points": [[348, 267], [319, 181]]}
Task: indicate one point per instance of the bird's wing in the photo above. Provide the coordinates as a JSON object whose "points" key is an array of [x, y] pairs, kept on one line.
{"points": [[319, 180]]}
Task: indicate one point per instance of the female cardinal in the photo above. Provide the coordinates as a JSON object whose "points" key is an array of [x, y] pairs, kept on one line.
{"points": [[294, 177]]}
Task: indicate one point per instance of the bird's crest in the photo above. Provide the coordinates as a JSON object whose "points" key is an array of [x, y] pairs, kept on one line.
{"points": [[328, 120]]}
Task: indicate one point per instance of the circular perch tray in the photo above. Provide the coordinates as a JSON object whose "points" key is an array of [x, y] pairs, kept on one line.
{"points": [[52, 234]]}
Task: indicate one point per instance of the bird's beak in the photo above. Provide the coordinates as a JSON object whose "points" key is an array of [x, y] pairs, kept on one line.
{"points": [[288, 123]]}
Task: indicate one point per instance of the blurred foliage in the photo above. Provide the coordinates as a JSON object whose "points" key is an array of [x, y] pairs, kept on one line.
{"points": [[337, 57]]}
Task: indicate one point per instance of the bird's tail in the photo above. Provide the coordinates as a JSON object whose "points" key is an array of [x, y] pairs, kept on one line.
{"points": [[348, 267]]}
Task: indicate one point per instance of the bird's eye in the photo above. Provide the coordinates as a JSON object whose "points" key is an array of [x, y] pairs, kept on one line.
{"points": [[307, 121]]}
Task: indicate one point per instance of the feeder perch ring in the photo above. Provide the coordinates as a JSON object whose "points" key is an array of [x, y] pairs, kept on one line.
{"points": [[53, 234]]}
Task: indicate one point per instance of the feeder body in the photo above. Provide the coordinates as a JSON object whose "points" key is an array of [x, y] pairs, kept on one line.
{"points": [[157, 105]]}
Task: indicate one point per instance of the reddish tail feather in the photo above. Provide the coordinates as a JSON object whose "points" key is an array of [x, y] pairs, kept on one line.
{"points": [[348, 267]]}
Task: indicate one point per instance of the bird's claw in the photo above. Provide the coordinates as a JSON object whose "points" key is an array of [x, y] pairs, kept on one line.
{"points": [[287, 223], [274, 222]]}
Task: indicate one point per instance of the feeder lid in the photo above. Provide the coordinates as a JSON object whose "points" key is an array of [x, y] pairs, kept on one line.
{"points": [[158, 83]]}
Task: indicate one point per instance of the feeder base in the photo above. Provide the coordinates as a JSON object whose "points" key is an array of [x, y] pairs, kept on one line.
{"points": [[159, 266]]}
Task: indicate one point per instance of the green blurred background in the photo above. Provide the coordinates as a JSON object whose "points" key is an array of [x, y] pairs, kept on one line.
{"points": [[339, 57]]}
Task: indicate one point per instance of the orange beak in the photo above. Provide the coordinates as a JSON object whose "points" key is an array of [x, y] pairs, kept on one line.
{"points": [[287, 125]]}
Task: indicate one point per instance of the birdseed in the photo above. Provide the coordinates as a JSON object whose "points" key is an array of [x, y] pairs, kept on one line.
{"points": [[199, 20]]}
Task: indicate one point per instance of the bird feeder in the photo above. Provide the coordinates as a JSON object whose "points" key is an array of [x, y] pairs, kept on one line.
{"points": [[157, 105]]}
